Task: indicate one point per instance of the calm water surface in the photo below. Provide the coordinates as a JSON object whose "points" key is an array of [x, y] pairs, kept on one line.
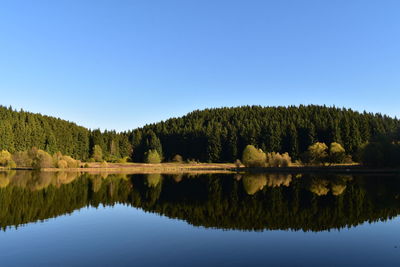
{"points": [[71, 219]]}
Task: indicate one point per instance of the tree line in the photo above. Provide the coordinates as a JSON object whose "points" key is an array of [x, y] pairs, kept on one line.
{"points": [[210, 135], [21, 131], [222, 134]]}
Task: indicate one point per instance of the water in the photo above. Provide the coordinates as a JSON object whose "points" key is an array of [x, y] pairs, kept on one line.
{"points": [[71, 219]]}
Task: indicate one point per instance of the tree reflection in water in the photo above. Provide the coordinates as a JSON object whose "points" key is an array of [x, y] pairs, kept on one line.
{"points": [[227, 201]]}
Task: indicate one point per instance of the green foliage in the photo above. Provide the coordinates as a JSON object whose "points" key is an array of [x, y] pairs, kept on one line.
{"points": [[19, 131], [337, 153], [221, 134], [278, 160], [62, 164], [71, 163], [317, 153], [123, 160], [97, 154], [253, 157], [152, 156], [40, 159], [381, 153], [6, 160], [210, 135], [22, 159]]}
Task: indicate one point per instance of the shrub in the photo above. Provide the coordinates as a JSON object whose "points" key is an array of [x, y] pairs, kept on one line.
{"points": [[62, 164], [348, 159], [41, 159], [317, 153], [72, 163], [192, 161], [56, 157], [337, 153], [177, 159], [238, 163], [152, 156], [278, 160], [123, 160], [6, 159], [253, 157], [22, 159], [286, 160]]}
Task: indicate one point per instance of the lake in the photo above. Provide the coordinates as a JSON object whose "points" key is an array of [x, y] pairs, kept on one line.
{"points": [[75, 219]]}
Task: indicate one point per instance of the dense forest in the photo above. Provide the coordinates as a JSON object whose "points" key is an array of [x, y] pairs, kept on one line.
{"points": [[248, 202], [211, 135], [20, 131], [221, 134]]}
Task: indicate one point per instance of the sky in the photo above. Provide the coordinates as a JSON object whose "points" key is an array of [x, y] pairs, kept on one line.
{"points": [[122, 64]]}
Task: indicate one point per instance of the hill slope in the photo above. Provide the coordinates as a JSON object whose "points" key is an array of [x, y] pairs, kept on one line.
{"points": [[220, 134], [210, 135], [20, 131]]}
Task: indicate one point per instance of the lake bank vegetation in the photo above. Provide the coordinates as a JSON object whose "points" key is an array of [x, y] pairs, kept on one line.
{"points": [[303, 135]]}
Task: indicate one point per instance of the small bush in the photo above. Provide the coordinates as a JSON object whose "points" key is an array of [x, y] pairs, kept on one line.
{"points": [[123, 160], [152, 156], [317, 153], [41, 159], [348, 159], [253, 157], [22, 159], [192, 161], [286, 160], [337, 153], [177, 159], [6, 159], [238, 163], [278, 160], [71, 163], [62, 164]]}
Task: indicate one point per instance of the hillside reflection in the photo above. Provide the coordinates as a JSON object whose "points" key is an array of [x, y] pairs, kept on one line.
{"points": [[242, 201]]}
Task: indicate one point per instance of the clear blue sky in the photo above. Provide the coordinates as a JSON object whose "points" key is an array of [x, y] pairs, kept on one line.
{"points": [[122, 64]]}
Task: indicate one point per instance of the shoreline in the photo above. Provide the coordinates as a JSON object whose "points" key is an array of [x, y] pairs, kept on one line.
{"points": [[132, 168]]}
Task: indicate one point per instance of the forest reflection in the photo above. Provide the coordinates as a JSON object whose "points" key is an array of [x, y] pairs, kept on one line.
{"points": [[305, 202]]}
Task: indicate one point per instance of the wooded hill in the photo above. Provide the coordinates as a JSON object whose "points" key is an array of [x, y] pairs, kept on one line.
{"points": [[20, 131], [221, 134], [210, 135]]}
